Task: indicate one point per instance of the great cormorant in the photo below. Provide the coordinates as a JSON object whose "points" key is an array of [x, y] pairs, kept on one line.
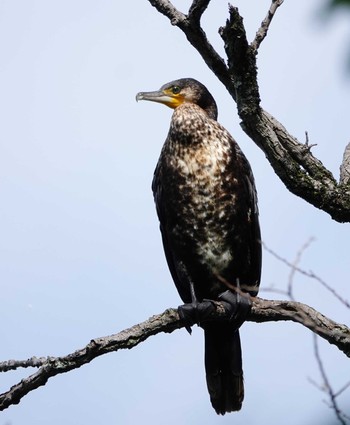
{"points": [[206, 202]]}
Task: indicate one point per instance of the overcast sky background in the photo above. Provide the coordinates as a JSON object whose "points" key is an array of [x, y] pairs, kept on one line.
{"points": [[80, 250]]}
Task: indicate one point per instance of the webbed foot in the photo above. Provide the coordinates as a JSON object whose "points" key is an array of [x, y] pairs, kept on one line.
{"points": [[195, 312], [238, 305]]}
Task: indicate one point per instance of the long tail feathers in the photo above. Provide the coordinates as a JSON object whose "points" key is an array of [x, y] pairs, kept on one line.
{"points": [[223, 365]]}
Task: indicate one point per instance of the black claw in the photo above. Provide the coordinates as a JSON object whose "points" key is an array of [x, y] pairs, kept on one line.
{"points": [[187, 316]]}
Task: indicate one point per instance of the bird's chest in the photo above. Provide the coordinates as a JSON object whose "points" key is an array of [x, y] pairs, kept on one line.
{"points": [[196, 176], [199, 199]]}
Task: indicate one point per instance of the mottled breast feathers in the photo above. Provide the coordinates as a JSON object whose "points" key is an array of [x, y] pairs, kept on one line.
{"points": [[206, 202]]}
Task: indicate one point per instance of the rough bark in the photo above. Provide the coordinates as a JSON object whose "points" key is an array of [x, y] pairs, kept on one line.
{"points": [[262, 311], [301, 172]]}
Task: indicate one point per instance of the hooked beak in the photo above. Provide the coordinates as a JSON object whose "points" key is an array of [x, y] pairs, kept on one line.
{"points": [[160, 97]]}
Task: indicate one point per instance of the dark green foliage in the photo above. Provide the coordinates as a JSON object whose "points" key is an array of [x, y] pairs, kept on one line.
{"points": [[336, 3]]}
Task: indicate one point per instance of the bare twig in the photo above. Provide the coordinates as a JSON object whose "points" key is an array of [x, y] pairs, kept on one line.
{"points": [[308, 146], [262, 31], [262, 311], [294, 267], [326, 387], [316, 384], [342, 389], [15, 364], [309, 274], [274, 290]]}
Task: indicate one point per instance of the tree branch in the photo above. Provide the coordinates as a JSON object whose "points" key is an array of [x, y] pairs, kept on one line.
{"points": [[302, 173], [295, 268], [16, 364], [326, 387], [262, 311], [345, 167], [265, 24], [197, 9], [271, 310], [196, 36], [167, 9]]}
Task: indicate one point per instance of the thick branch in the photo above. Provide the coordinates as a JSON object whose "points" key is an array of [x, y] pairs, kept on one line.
{"points": [[262, 311], [242, 66], [197, 9], [166, 8], [345, 167], [335, 333], [196, 36], [302, 173]]}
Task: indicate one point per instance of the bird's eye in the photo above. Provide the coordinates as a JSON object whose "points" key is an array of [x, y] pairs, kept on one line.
{"points": [[175, 89]]}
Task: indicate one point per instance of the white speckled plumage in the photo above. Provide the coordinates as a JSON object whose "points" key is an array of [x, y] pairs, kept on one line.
{"points": [[196, 165], [206, 203]]}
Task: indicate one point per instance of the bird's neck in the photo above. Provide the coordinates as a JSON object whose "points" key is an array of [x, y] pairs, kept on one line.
{"points": [[190, 124]]}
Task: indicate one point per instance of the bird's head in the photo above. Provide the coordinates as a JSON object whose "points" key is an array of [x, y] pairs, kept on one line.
{"points": [[184, 90]]}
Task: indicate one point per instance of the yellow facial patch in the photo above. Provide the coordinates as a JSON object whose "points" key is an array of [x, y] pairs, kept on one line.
{"points": [[172, 100]]}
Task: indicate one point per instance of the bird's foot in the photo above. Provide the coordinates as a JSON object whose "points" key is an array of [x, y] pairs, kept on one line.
{"points": [[196, 312], [237, 305]]}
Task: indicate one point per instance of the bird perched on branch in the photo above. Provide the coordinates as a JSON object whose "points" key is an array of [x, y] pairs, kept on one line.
{"points": [[206, 202]]}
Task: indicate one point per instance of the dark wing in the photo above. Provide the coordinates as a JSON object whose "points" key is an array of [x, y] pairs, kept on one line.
{"points": [[254, 235], [242, 222], [245, 229], [177, 270]]}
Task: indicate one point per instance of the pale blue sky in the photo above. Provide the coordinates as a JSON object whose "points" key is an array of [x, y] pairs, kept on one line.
{"points": [[81, 254]]}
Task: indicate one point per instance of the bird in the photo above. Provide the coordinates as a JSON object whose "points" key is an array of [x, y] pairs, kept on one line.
{"points": [[206, 202]]}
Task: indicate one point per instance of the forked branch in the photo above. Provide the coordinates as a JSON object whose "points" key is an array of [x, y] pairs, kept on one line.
{"points": [[301, 172]]}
